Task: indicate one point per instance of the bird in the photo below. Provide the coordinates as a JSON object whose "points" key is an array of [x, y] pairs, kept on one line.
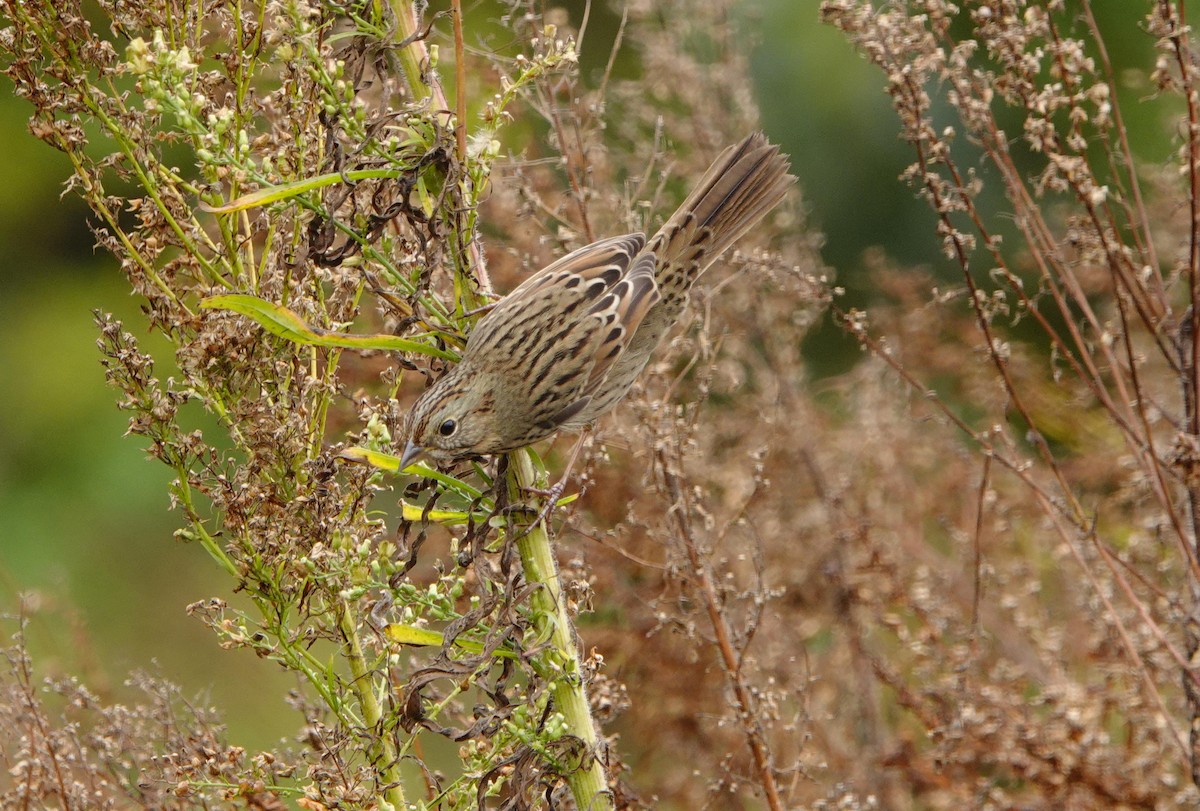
{"points": [[566, 345]]}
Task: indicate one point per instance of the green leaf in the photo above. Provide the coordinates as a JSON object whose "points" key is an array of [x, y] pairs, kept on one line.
{"points": [[281, 321], [449, 518], [331, 679], [385, 461], [274, 194], [423, 196], [408, 635], [425, 638]]}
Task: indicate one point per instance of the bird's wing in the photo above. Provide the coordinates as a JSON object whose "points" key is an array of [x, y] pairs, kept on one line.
{"points": [[594, 260], [599, 338], [619, 313], [556, 294], [557, 335]]}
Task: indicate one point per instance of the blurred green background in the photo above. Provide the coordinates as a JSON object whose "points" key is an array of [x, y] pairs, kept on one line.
{"points": [[85, 527]]}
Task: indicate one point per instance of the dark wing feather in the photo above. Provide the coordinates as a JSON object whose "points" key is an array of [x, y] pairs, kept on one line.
{"points": [[620, 313], [589, 260], [558, 292], [605, 331]]}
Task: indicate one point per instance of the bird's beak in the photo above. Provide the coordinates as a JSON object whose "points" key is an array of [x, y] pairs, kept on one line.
{"points": [[412, 453]]}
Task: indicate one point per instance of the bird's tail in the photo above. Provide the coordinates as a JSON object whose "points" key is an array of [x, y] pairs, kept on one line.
{"points": [[745, 182]]}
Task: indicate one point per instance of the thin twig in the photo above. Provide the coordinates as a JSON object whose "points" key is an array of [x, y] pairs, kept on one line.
{"points": [[985, 481], [460, 81], [746, 708]]}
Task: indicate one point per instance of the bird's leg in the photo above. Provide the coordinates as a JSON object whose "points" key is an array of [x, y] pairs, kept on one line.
{"points": [[555, 492], [480, 310]]}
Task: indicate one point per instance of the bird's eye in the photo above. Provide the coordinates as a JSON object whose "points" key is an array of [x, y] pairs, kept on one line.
{"points": [[448, 428]]}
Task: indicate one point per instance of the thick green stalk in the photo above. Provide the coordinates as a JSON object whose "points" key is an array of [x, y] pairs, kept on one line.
{"points": [[363, 684], [588, 783], [411, 57]]}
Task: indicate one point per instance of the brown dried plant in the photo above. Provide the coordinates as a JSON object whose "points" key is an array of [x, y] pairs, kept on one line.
{"points": [[1040, 639]]}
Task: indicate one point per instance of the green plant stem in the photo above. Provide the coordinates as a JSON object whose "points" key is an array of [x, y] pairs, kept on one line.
{"points": [[363, 685], [410, 57], [588, 783]]}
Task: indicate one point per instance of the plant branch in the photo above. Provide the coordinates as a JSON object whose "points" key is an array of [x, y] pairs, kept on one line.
{"points": [[746, 707], [587, 782]]}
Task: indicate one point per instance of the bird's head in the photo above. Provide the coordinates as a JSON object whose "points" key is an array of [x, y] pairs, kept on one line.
{"points": [[454, 418]]}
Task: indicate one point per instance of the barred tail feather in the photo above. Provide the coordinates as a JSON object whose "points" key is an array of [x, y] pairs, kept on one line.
{"points": [[745, 182]]}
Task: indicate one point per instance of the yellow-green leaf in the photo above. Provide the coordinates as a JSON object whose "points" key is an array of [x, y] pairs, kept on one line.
{"points": [[281, 321], [273, 318], [425, 638], [274, 194], [377, 459], [408, 635], [390, 463], [449, 518]]}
